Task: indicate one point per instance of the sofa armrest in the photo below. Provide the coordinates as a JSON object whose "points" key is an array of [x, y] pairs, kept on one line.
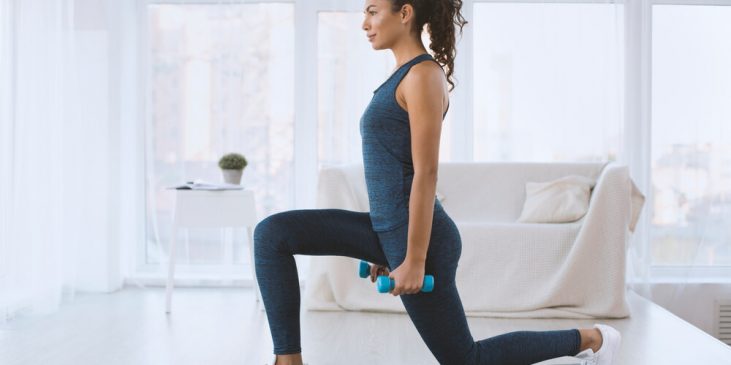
{"points": [[607, 194], [615, 187]]}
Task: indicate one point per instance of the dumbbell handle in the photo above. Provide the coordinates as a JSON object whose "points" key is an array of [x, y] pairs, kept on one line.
{"points": [[386, 284]]}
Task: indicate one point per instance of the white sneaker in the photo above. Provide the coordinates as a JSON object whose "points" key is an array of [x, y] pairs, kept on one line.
{"points": [[611, 339]]}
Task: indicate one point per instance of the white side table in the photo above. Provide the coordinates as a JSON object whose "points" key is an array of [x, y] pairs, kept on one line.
{"points": [[211, 209]]}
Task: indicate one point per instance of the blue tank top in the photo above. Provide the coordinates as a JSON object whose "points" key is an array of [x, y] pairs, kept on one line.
{"points": [[386, 142]]}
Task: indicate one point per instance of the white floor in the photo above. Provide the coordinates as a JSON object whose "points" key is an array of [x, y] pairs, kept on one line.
{"points": [[224, 326]]}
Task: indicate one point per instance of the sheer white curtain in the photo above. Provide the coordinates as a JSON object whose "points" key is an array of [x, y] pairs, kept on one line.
{"points": [[6, 85], [67, 171]]}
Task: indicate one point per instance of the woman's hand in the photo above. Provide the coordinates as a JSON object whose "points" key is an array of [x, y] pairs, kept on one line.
{"points": [[376, 271], [409, 277]]}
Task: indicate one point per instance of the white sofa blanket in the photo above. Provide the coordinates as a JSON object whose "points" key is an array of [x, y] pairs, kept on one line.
{"points": [[507, 269]]}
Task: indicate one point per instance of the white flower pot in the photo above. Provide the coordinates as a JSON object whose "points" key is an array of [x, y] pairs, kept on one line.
{"points": [[232, 176]]}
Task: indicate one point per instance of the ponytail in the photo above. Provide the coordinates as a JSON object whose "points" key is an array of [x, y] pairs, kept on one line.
{"points": [[441, 17]]}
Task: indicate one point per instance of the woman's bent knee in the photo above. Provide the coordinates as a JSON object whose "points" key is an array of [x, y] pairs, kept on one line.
{"points": [[268, 232]]}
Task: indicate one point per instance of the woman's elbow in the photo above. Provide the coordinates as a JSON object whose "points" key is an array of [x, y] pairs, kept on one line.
{"points": [[426, 175]]}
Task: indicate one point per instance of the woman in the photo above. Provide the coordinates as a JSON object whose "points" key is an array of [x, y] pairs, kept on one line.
{"points": [[406, 229]]}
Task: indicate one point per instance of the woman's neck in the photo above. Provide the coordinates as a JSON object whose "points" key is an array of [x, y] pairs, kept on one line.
{"points": [[407, 51]]}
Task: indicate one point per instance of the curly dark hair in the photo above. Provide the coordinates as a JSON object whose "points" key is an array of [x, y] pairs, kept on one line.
{"points": [[442, 16]]}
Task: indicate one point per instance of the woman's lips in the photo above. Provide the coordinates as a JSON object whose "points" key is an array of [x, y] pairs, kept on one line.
{"points": [[370, 38]]}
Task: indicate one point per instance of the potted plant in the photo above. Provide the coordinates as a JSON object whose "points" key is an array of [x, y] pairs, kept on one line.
{"points": [[232, 167]]}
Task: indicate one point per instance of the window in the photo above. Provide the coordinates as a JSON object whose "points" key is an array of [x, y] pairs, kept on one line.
{"points": [[548, 81], [548, 85], [691, 135], [221, 80]]}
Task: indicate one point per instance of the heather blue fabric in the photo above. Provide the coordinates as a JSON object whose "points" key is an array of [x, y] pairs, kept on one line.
{"points": [[380, 236], [386, 142]]}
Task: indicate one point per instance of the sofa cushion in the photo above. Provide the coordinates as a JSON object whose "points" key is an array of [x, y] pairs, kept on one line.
{"points": [[520, 253], [561, 200]]}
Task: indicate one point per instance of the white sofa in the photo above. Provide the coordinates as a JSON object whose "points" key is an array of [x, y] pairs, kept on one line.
{"points": [[507, 269]]}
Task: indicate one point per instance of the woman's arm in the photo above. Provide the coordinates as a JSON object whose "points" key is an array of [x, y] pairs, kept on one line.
{"points": [[423, 89], [421, 211], [424, 95]]}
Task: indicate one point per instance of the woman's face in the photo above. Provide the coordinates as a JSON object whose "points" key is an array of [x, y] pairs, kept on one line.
{"points": [[382, 27]]}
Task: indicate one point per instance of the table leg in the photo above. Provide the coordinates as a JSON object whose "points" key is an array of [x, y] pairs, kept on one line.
{"points": [[255, 285], [171, 270]]}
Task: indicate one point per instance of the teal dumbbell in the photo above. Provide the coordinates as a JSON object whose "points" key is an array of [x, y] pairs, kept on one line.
{"points": [[386, 284], [365, 269]]}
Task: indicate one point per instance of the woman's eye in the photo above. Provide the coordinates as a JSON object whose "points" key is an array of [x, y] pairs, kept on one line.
{"points": [[372, 12]]}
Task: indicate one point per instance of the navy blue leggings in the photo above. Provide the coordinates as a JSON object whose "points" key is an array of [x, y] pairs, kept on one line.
{"points": [[438, 316]]}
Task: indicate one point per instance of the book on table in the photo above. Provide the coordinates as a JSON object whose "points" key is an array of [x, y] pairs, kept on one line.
{"points": [[199, 184]]}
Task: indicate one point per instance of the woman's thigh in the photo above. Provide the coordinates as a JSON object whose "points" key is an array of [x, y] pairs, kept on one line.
{"points": [[437, 315], [320, 232], [443, 251], [441, 322]]}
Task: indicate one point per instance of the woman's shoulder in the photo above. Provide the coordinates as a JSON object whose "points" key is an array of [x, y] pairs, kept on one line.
{"points": [[427, 76], [425, 71]]}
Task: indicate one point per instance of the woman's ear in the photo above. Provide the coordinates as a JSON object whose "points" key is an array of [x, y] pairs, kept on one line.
{"points": [[406, 12]]}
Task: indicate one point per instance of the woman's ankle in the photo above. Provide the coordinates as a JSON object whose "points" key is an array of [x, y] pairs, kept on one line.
{"points": [[289, 359], [590, 338]]}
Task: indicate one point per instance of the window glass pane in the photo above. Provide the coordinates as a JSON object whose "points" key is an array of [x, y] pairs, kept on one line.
{"points": [[349, 70], [222, 80], [691, 135], [548, 81]]}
